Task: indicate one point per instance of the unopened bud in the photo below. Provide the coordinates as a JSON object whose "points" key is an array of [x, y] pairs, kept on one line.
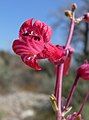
{"points": [[68, 13], [74, 6], [86, 17], [83, 71]]}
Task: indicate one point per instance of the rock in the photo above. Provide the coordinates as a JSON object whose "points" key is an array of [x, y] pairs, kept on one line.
{"points": [[22, 105], [27, 113]]}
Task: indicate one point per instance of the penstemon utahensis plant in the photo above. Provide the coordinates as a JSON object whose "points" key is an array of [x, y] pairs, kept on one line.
{"points": [[34, 44]]}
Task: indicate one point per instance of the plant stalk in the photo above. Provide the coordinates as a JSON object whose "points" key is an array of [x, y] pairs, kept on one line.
{"points": [[72, 92], [82, 105], [59, 91], [59, 74], [70, 36]]}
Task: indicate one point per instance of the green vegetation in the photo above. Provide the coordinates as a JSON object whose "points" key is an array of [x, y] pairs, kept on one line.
{"points": [[15, 76]]}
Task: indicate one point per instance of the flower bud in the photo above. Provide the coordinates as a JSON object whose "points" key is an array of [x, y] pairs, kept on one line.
{"points": [[86, 17], [74, 6], [68, 13], [83, 71]]}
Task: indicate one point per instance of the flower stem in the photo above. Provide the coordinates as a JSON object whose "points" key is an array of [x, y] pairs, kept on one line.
{"points": [[72, 92], [59, 90], [72, 25], [69, 39], [59, 74], [56, 84], [82, 105]]}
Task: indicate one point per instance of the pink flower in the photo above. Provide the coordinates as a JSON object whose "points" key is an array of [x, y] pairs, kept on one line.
{"points": [[86, 17], [83, 71], [34, 44], [33, 35]]}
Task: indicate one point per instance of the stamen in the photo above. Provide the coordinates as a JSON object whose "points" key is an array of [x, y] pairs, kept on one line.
{"points": [[25, 33], [32, 33], [29, 58]]}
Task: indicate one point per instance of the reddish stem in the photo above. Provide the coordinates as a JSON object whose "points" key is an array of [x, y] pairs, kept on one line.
{"points": [[56, 84], [59, 74], [59, 89], [72, 24], [71, 31], [72, 92], [82, 105]]}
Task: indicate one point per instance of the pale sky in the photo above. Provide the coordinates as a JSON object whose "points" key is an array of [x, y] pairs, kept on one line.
{"points": [[14, 12]]}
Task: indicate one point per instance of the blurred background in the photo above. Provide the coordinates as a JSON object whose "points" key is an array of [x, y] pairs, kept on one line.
{"points": [[24, 92]]}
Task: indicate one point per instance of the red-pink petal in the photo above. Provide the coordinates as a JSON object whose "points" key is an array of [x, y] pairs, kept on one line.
{"points": [[31, 62], [25, 26], [43, 29], [21, 47], [39, 28], [54, 53]]}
